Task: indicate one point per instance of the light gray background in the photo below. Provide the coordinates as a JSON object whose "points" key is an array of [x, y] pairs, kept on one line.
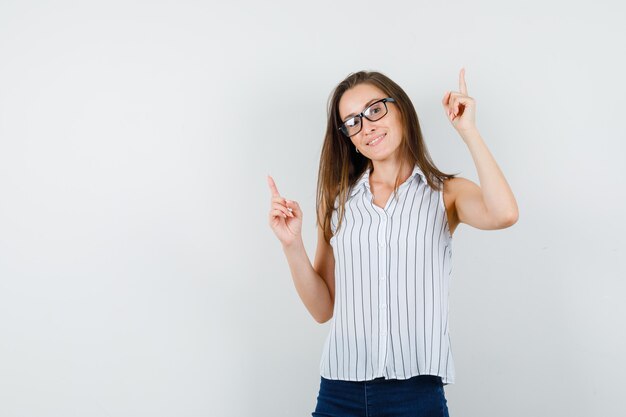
{"points": [[138, 272]]}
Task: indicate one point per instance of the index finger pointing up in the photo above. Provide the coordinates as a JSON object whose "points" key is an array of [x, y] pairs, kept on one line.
{"points": [[462, 86], [273, 189]]}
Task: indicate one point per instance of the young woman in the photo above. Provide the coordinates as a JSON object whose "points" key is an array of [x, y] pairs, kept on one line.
{"points": [[385, 217]]}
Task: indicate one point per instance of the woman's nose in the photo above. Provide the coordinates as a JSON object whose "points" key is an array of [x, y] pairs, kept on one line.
{"points": [[367, 124]]}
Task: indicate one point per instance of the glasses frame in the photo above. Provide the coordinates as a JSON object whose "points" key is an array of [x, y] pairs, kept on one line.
{"points": [[362, 115]]}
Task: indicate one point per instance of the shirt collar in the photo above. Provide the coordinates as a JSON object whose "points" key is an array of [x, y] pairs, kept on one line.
{"points": [[363, 182]]}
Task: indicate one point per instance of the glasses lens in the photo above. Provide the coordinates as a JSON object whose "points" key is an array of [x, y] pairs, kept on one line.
{"points": [[352, 126], [376, 111]]}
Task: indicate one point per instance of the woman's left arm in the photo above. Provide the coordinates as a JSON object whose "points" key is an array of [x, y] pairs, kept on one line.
{"points": [[492, 204]]}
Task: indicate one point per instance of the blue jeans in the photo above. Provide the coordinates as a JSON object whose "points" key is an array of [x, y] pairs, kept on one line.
{"points": [[419, 396]]}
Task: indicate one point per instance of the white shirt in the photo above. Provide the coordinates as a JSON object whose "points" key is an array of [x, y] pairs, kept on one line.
{"points": [[392, 275]]}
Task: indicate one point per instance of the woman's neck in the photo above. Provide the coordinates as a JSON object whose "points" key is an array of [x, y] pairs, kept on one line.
{"points": [[385, 173]]}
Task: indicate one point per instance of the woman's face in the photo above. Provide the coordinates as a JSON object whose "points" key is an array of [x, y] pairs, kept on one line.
{"points": [[353, 102]]}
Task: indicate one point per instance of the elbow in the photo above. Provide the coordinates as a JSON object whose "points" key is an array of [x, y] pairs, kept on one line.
{"points": [[323, 319], [510, 219]]}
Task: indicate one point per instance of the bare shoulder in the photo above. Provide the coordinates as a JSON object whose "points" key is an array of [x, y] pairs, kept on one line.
{"points": [[452, 186], [451, 189]]}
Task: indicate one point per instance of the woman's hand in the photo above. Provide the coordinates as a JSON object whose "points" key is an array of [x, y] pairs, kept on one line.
{"points": [[285, 216], [460, 107]]}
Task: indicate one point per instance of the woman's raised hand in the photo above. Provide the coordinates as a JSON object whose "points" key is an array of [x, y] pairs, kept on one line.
{"points": [[460, 107], [285, 217]]}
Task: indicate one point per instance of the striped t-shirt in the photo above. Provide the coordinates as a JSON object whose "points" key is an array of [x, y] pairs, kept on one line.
{"points": [[392, 275]]}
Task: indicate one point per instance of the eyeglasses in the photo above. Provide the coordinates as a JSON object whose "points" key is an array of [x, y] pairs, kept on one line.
{"points": [[375, 111]]}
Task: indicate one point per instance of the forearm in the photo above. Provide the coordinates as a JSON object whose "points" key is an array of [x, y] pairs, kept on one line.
{"points": [[497, 195], [310, 286]]}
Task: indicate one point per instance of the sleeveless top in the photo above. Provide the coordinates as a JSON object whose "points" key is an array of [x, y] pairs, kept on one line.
{"points": [[392, 276]]}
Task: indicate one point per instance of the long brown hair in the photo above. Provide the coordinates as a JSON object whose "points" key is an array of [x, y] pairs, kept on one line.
{"points": [[340, 164]]}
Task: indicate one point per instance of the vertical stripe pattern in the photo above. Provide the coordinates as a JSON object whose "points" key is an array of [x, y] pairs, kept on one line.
{"points": [[392, 276]]}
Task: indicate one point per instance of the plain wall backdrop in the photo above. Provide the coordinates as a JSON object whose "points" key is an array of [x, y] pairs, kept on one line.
{"points": [[138, 272]]}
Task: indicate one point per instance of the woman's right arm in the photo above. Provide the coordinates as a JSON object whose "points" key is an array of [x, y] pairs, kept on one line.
{"points": [[315, 285]]}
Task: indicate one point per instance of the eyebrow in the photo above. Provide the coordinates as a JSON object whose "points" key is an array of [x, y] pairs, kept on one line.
{"points": [[367, 104]]}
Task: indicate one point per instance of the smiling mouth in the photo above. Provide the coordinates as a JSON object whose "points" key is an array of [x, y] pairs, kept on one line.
{"points": [[375, 141]]}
